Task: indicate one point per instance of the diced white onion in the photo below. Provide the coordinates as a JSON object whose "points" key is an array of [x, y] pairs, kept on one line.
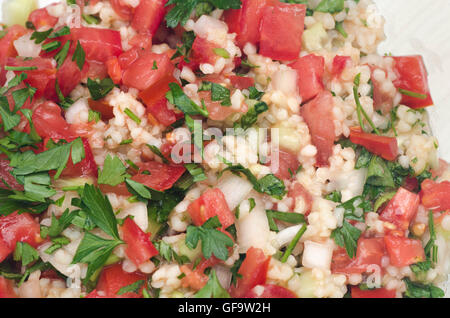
{"points": [[27, 48], [284, 237], [234, 188], [253, 229], [317, 255]]}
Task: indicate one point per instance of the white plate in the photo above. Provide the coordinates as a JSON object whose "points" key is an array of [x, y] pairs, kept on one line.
{"points": [[417, 27]]}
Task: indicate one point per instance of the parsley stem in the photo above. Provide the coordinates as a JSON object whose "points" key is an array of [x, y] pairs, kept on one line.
{"points": [[20, 68], [293, 243], [132, 115], [412, 94], [360, 110]]}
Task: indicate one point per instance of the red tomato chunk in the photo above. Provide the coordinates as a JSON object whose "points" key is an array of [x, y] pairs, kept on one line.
{"points": [[404, 251], [139, 247], [382, 146], [401, 209], [436, 196], [211, 203]]}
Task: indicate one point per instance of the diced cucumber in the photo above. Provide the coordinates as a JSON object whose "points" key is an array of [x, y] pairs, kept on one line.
{"points": [[308, 285], [314, 37], [17, 11], [186, 251]]}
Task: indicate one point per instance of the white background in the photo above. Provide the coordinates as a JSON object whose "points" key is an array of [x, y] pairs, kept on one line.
{"points": [[418, 27]]}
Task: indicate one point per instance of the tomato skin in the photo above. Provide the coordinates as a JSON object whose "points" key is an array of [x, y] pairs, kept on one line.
{"points": [[369, 251], [148, 16], [162, 113], [203, 52], [141, 75], [318, 115], [339, 65], [6, 288], [401, 209], [113, 278], [99, 44], [310, 69], [123, 11], [435, 196], [271, 291], [7, 48], [412, 76], [39, 78], [85, 168], [242, 82], [49, 112], [60, 129], [253, 270], [382, 146], [114, 70], [250, 20], [374, 293], [68, 77], [287, 163], [42, 19], [275, 41], [211, 203], [404, 251], [17, 228], [232, 18], [139, 246], [103, 108], [5, 175], [297, 190], [162, 176]]}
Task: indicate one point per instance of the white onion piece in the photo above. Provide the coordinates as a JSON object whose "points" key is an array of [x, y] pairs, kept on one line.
{"points": [[27, 48], [223, 275], [139, 211], [317, 255], [31, 288], [284, 237], [351, 184], [285, 81], [253, 229], [234, 188]]}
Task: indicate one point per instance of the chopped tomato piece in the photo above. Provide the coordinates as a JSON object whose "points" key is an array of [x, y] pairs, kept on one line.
{"points": [[436, 196], [369, 251], [215, 109], [297, 190], [7, 48], [286, 165], [68, 77], [203, 52], [38, 78], [401, 209], [85, 168], [242, 82], [6, 176], [443, 166], [339, 65], [139, 246], [113, 278], [95, 294], [162, 113], [413, 77], [382, 146], [270, 291], [373, 293], [404, 251], [114, 70], [147, 70], [125, 12], [250, 17], [211, 203], [99, 44], [49, 112], [17, 228], [310, 69], [253, 272], [281, 31], [318, 115], [161, 177], [42, 19], [233, 18], [148, 16], [6, 288], [103, 108]]}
